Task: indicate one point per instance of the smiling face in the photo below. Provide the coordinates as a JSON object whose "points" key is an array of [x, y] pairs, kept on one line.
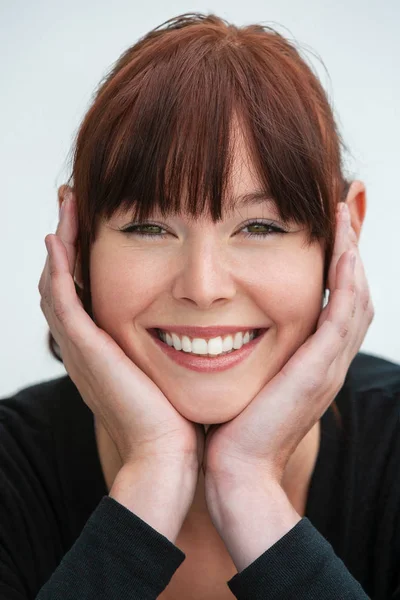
{"points": [[205, 274]]}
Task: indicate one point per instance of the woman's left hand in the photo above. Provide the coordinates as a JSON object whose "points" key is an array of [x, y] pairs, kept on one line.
{"points": [[261, 439]]}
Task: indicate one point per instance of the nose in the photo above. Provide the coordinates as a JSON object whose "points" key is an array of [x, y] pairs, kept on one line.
{"points": [[205, 275]]}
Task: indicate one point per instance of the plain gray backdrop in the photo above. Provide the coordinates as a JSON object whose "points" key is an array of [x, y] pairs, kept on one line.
{"points": [[55, 54]]}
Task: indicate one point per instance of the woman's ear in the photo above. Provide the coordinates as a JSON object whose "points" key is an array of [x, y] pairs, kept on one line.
{"points": [[78, 267], [356, 200]]}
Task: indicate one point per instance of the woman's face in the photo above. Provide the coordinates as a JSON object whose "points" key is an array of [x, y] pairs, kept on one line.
{"points": [[204, 274]]}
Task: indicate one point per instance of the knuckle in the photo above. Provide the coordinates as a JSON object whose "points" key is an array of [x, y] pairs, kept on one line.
{"points": [[367, 303], [315, 377], [61, 311], [45, 300], [352, 288], [365, 300], [53, 270], [343, 329]]}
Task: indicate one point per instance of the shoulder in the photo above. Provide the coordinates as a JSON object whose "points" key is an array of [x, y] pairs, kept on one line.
{"points": [[34, 404], [373, 423], [371, 372], [30, 486], [27, 420], [371, 396], [374, 384]]}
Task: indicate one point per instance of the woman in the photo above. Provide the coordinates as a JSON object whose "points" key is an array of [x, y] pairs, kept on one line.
{"points": [[261, 463]]}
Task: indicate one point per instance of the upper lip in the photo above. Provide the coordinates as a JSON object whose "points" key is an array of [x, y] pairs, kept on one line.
{"points": [[206, 332]]}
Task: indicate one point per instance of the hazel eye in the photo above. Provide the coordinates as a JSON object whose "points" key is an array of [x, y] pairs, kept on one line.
{"points": [[135, 230], [139, 230], [272, 229]]}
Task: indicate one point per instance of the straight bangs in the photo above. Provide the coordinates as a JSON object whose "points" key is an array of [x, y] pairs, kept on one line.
{"points": [[160, 135]]}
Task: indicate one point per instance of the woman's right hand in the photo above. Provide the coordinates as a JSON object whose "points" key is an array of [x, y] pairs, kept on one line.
{"points": [[143, 424]]}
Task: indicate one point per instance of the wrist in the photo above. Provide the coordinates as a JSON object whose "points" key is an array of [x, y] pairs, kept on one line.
{"points": [[160, 494], [228, 497], [239, 508]]}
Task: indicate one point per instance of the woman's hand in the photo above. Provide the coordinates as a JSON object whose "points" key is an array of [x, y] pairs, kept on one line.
{"points": [[143, 424], [257, 444]]}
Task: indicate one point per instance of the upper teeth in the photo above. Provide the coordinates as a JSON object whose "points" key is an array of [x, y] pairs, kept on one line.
{"points": [[213, 346]]}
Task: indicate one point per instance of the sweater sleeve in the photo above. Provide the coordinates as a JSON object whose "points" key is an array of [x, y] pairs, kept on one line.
{"points": [[302, 565], [116, 557]]}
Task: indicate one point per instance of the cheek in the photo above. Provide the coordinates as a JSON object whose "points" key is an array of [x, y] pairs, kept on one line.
{"points": [[291, 293], [120, 289]]}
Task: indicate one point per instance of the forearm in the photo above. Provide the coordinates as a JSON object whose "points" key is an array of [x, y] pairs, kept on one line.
{"points": [[160, 495], [250, 518]]}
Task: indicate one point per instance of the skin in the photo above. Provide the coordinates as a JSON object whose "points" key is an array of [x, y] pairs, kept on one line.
{"points": [[211, 274]]}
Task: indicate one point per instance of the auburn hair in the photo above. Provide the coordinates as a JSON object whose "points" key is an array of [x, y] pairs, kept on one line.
{"points": [[160, 126]]}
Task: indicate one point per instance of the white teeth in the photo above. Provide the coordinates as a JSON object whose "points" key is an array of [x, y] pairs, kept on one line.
{"points": [[176, 342], [212, 347]]}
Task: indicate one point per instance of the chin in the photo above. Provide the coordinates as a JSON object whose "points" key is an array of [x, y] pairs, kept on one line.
{"points": [[213, 416]]}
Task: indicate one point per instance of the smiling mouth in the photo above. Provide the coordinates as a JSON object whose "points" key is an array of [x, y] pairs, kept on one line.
{"points": [[155, 333]]}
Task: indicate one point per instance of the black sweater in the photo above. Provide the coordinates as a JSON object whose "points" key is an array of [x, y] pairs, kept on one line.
{"points": [[63, 537]]}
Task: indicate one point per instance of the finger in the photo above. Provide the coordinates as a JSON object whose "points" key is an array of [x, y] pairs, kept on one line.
{"points": [[43, 278], [331, 339], [342, 242], [346, 239], [61, 305], [67, 228], [67, 231], [364, 309], [311, 363]]}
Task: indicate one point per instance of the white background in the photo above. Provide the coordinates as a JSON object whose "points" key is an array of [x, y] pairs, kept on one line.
{"points": [[53, 56]]}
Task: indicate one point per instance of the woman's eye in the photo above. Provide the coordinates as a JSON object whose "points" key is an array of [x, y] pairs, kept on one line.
{"points": [[272, 229], [138, 229], [135, 230]]}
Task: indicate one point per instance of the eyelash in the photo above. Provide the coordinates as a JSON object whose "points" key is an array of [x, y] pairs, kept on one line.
{"points": [[132, 229]]}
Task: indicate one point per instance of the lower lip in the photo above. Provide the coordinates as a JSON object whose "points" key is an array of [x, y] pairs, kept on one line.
{"points": [[206, 364]]}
